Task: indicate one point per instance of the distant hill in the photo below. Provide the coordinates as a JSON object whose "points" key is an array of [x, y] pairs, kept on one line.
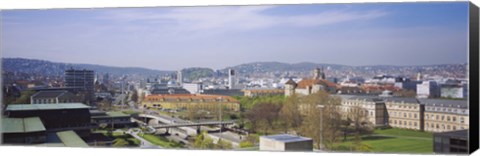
{"points": [[56, 69], [262, 69], [277, 68], [195, 73]]}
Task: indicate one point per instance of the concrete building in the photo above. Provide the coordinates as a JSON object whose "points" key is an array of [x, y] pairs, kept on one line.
{"points": [[453, 90], [82, 79], [185, 101], [231, 77], [179, 78], [309, 86], [193, 88], [55, 117], [111, 119], [453, 142], [54, 96], [428, 89], [285, 142]]}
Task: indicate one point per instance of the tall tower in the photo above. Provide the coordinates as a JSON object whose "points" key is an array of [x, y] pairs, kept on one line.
{"points": [[179, 77], [322, 74], [316, 73], [290, 86], [231, 74]]}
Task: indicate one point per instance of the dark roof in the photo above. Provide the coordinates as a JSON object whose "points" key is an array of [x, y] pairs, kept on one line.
{"points": [[27, 107], [175, 90], [445, 103], [290, 82], [286, 138], [50, 94], [401, 99], [456, 134]]}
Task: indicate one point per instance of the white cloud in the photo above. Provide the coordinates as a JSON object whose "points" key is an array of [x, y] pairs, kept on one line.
{"points": [[193, 19]]}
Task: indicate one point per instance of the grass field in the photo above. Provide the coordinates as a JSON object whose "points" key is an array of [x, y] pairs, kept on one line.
{"points": [[393, 141], [161, 141]]}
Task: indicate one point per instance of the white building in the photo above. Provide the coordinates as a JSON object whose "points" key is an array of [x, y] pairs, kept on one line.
{"points": [[428, 89], [193, 88], [285, 142]]}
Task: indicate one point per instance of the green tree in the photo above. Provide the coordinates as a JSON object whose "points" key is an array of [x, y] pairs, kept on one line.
{"points": [[290, 113], [24, 97], [134, 96], [321, 124]]}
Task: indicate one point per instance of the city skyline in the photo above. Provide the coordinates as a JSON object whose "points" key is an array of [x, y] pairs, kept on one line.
{"points": [[222, 36]]}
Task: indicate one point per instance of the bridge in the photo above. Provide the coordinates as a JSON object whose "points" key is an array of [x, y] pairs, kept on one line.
{"points": [[177, 123]]}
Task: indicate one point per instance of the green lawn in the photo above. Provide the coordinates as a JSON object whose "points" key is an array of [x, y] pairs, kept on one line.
{"points": [[393, 141], [161, 141]]}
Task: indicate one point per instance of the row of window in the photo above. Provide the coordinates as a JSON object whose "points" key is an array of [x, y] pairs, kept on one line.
{"points": [[400, 122], [444, 118], [442, 126], [404, 115]]}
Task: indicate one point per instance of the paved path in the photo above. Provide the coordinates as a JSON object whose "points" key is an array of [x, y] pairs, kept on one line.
{"points": [[143, 143]]}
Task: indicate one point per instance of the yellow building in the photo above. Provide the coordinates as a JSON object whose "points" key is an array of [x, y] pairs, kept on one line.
{"points": [[432, 115], [185, 101], [405, 113], [445, 115]]}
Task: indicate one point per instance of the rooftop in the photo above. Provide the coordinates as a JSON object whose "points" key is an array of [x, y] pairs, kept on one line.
{"points": [[286, 138], [22, 125], [27, 107], [50, 93], [457, 134], [444, 103], [71, 139]]}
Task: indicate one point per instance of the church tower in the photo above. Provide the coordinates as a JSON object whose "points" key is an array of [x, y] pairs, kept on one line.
{"points": [[316, 73]]}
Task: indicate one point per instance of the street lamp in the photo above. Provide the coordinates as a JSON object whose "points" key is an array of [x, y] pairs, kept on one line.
{"points": [[321, 125]]}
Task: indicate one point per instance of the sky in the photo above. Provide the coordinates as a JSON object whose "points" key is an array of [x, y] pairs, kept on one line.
{"points": [[172, 38]]}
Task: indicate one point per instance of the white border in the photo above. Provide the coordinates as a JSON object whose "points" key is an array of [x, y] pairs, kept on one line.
{"points": [[48, 4]]}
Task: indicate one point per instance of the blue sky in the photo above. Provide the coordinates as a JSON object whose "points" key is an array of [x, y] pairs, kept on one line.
{"points": [[172, 38]]}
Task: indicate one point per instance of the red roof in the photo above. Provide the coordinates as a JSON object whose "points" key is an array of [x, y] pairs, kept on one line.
{"points": [[310, 82]]}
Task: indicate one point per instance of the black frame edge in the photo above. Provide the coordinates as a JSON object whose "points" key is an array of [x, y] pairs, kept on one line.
{"points": [[473, 77]]}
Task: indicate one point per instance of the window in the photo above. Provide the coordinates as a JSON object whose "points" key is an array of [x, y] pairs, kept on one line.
{"points": [[454, 119], [404, 115], [438, 126], [395, 121], [409, 123], [415, 116], [448, 118], [436, 117], [448, 127], [454, 127], [443, 126], [409, 115], [462, 120]]}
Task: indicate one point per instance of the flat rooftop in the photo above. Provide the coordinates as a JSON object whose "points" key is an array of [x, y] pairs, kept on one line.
{"points": [[286, 138], [71, 139], [28, 107], [22, 125]]}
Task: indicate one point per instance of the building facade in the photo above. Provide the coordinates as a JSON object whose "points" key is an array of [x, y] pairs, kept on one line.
{"points": [[185, 101], [310, 86], [82, 79], [54, 96], [432, 115]]}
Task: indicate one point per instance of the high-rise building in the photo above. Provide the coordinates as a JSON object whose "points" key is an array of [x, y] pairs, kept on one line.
{"points": [[179, 78], [81, 80], [231, 75]]}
